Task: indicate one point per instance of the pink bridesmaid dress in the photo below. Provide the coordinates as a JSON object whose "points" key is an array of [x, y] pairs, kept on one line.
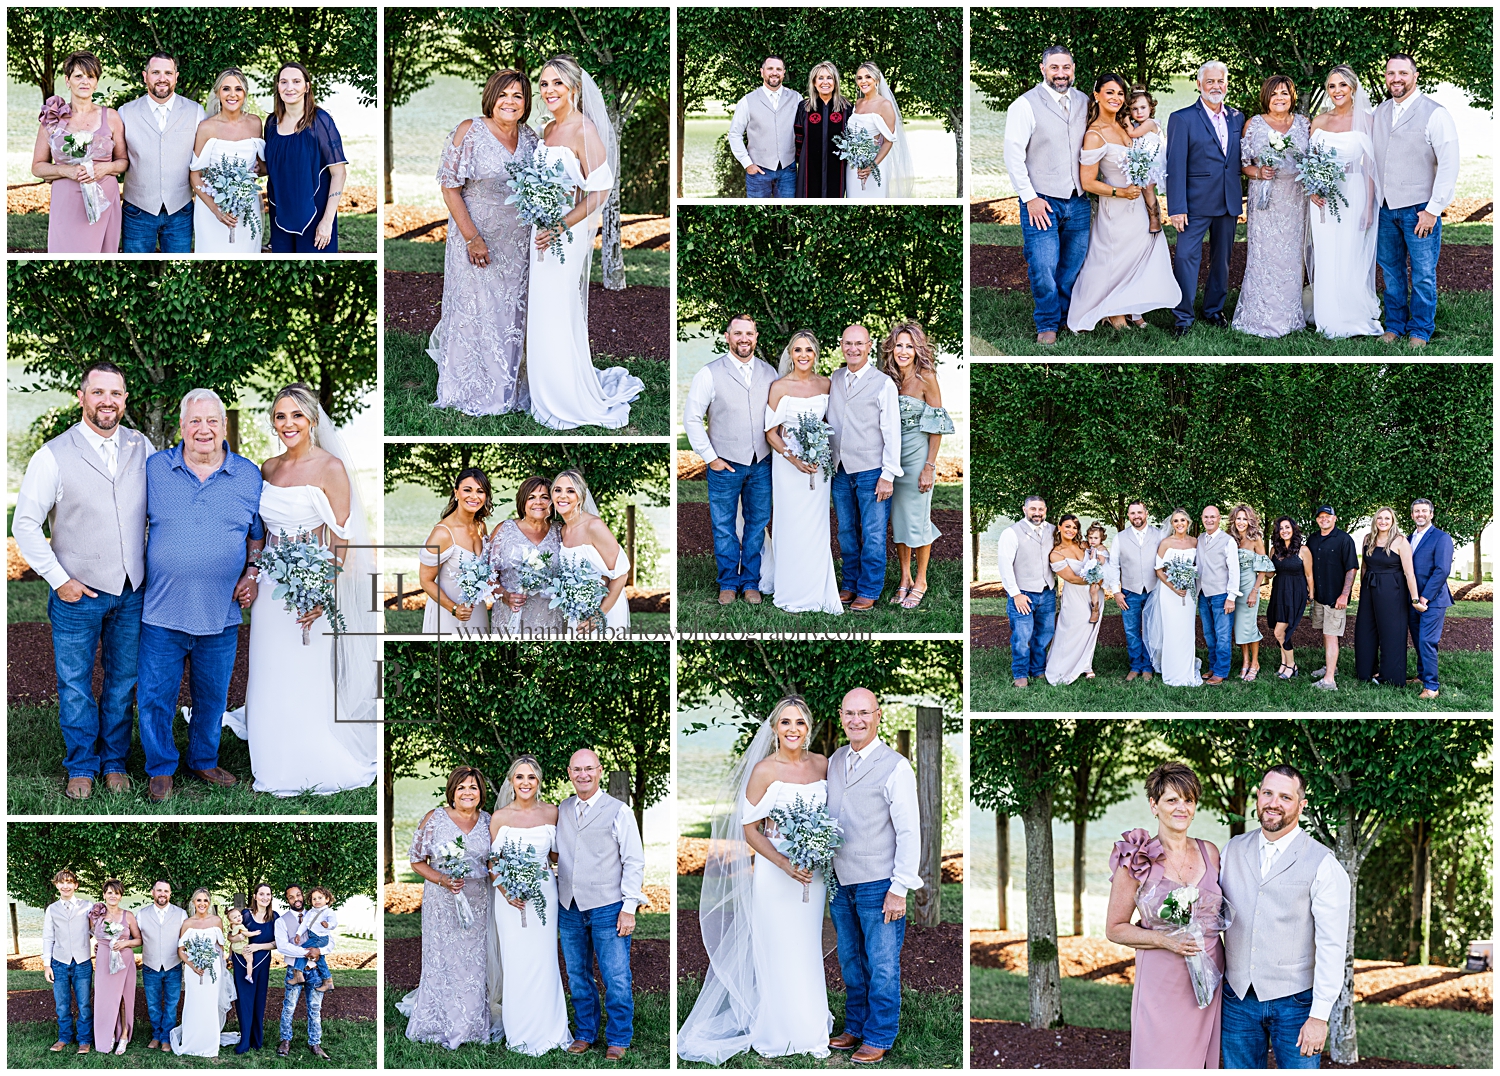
{"points": [[1167, 1029], [68, 227], [111, 990]]}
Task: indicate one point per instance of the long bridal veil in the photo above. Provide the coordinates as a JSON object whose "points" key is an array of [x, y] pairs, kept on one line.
{"points": [[901, 181], [723, 1017], [591, 104]]}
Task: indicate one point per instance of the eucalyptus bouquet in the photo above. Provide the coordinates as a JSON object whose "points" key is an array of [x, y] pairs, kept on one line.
{"points": [[543, 195], [860, 149], [202, 953], [578, 590], [303, 570], [1278, 148], [473, 575], [451, 858], [1093, 572], [233, 185], [536, 576], [1182, 574], [518, 871], [1174, 910], [814, 443], [808, 836], [1321, 174], [1140, 159]]}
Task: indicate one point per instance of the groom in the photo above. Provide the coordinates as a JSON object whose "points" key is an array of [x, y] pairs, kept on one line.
{"points": [[766, 119], [725, 422], [865, 413], [872, 794], [1284, 951], [288, 926], [160, 127], [1204, 194], [601, 867], [1025, 556]]}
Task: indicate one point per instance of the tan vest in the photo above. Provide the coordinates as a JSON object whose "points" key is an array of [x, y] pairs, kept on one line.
{"points": [[736, 419], [589, 869], [1057, 139], [770, 134], [1271, 945], [1405, 161], [868, 853], [99, 524], [1033, 563], [70, 932], [854, 414], [159, 160], [159, 941]]}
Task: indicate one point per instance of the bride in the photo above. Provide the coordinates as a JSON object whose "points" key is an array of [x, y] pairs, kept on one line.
{"points": [[587, 538], [227, 133], [876, 111], [1170, 618], [765, 989], [802, 576], [310, 706], [566, 390], [1341, 254], [207, 991], [522, 965]]}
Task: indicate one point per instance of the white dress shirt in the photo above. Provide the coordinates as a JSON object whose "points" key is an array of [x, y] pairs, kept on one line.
{"points": [[701, 395], [162, 110], [1442, 136], [1020, 121], [632, 854], [1330, 909], [890, 419], [41, 489], [901, 796], [1232, 558], [1411, 539], [286, 936], [1007, 550]]}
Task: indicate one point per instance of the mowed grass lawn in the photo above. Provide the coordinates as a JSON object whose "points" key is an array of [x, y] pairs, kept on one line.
{"points": [[646, 268], [28, 231], [1000, 322], [1424, 1036], [409, 622]]}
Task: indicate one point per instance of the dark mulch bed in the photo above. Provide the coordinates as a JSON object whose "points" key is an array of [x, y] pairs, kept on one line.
{"points": [[931, 957], [631, 323], [1460, 268], [1001, 1044], [695, 533], [32, 679], [340, 1003], [650, 964], [1459, 633], [1008, 210]]}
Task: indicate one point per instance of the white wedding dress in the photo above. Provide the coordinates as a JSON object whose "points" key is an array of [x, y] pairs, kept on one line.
{"points": [[533, 1010], [566, 390], [204, 1003], [290, 700], [209, 236], [870, 121], [787, 936], [618, 616], [1179, 663], [802, 578], [1343, 253]]}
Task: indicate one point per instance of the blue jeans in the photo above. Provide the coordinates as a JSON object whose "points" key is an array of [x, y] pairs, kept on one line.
{"points": [[862, 525], [1140, 656], [1415, 315], [1218, 632], [1031, 633], [316, 973], [163, 651], [587, 936], [870, 961], [1426, 631], [1188, 256], [1249, 1025], [163, 993], [70, 982], [745, 490], [1054, 257], [782, 183], [314, 1014], [140, 231], [95, 734]]}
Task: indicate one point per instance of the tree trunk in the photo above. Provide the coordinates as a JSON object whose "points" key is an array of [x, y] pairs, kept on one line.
{"points": [[1080, 832], [1002, 850], [1416, 890], [974, 542], [928, 900], [611, 253], [1043, 989], [390, 142], [1478, 569], [1343, 1044], [15, 930], [630, 543], [389, 819], [1237, 805], [956, 118], [681, 116], [1426, 901]]}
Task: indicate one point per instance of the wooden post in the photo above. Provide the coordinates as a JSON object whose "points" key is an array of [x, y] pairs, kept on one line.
{"points": [[903, 743], [619, 786], [630, 543], [389, 821], [15, 930], [928, 899], [233, 432], [1002, 850]]}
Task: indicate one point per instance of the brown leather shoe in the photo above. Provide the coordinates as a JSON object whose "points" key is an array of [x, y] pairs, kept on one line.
{"points": [[614, 1053], [846, 596], [1417, 341], [1212, 681], [843, 1041], [1046, 339], [752, 596], [166, 1047], [117, 782], [726, 597], [861, 605], [79, 788], [867, 1055], [1019, 681], [160, 789], [284, 1047], [579, 1047], [84, 1048], [1388, 338], [153, 1044], [58, 1047], [320, 1052], [1427, 693], [216, 776]]}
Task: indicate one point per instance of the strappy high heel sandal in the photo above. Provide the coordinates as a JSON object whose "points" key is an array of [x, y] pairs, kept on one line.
{"points": [[901, 593], [914, 597]]}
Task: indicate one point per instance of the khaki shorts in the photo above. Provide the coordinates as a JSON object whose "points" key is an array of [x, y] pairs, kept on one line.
{"points": [[1328, 619]]}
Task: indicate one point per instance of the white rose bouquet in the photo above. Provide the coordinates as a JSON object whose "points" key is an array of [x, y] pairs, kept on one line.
{"points": [[1177, 910]]}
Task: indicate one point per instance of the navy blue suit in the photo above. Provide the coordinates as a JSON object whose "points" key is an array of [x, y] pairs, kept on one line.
{"points": [[1203, 181], [1432, 561]]}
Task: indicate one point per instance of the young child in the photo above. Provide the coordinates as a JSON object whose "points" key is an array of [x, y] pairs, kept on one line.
{"points": [[1098, 554], [237, 937], [316, 928], [1140, 124]]}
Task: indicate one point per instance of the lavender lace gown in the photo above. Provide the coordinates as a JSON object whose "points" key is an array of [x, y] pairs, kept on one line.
{"points": [[480, 343], [508, 548], [451, 1004], [1167, 1029], [1271, 297]]}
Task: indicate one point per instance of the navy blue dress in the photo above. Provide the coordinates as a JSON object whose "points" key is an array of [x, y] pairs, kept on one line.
{"points": [[297, 183], [250, 993]]}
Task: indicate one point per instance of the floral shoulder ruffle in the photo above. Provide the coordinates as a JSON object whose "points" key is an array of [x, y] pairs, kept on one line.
{"points": [[1138, 851]]}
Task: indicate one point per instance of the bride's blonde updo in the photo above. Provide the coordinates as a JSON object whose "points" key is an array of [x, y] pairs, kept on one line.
{"points": [[571, 72], [792, 702], [305, 399]]}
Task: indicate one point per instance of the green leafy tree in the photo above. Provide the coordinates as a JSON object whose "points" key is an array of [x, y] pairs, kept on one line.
{"points": [[335, 44], [417, 41], [822, 269], [612, 470], [325, 334], [38, 39], [1211, 746], [1017, 768]]}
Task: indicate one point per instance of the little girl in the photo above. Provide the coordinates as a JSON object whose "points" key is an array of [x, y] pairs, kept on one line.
{"points": [[1097, 554], [1140, 124], [237, 936]]}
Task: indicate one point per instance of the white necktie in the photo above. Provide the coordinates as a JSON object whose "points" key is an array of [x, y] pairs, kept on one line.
{"points": [[111, 455], [161, 117], [1268, 855]]}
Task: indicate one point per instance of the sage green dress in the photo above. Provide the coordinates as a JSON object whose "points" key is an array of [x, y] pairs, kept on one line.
{"points": [[911, 510], [1247, 616]]}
